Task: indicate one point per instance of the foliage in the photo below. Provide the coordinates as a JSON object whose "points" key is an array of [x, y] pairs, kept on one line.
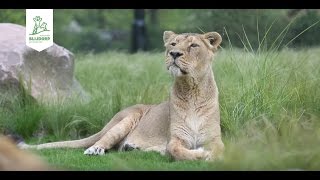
{"points": [[110, 29], [310, 38], [17, 16]]}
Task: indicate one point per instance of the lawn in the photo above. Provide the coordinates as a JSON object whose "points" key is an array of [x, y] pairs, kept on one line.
{"points": [[269, 103]]}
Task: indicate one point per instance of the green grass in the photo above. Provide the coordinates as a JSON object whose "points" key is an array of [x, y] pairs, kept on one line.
{"points": [[269, 102]]}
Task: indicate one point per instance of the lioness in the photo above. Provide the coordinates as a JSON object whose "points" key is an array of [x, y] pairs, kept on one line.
{"points": [[187, 126]]}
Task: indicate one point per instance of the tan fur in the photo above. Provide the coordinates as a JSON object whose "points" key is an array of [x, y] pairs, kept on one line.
{"points": [[14, 159], [187, 126]]}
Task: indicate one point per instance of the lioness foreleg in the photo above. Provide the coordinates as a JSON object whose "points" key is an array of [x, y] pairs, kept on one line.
{"points": [[176, 147], [114, 135], [216, 148]]}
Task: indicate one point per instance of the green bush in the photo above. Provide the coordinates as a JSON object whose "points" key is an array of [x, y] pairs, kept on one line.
{"points": [[240, 27], [247, 28], [17, 16], [95, 26], [303, 22]]}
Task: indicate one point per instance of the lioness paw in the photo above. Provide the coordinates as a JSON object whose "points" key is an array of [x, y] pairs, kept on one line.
{"points": [[206, 155], [94, 150], [22, 145], [200, 149], [214, 157]]}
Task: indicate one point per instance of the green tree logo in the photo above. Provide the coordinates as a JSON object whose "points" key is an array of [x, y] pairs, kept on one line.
{"points": [[37, 27]]}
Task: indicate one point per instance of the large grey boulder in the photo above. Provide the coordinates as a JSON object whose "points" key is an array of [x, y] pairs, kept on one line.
{"points": [[47, 75]]}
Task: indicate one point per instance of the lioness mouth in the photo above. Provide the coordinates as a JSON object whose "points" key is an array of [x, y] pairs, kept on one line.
{"points": [[183, 72], [175, 65]]}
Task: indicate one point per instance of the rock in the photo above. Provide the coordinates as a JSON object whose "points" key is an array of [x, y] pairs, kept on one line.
{"points": [[47, 75]]}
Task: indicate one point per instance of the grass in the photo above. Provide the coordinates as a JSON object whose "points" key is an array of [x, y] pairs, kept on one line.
{"points": [[269, 102]]}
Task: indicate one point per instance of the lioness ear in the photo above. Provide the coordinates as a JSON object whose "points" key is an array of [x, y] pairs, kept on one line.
{"points": [[167, 35], [213, 39]]}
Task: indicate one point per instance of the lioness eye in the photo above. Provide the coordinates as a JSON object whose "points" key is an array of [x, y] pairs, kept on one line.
{"points": [[194, 45], [173, 44]]}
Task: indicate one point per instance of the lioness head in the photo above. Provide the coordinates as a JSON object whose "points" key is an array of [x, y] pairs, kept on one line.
{"points": [[190, 54]]}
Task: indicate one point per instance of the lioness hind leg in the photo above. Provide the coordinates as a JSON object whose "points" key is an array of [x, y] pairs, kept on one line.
{"points": [[179, 152], [161, 149], [130, 147], [114, 135], [216, 149]]}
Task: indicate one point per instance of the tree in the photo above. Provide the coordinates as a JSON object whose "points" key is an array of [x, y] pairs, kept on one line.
{"points": [[139, 36], [154, 16]]}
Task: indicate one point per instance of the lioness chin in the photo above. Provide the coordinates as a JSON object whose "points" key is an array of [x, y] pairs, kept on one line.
{"points": [[187, 126]]}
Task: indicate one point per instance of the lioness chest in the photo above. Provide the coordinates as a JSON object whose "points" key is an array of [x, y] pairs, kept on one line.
{"points": [[194, 129]]}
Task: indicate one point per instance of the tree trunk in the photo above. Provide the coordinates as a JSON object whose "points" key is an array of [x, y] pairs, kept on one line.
{"points": [[139, 36], [154, 16]]}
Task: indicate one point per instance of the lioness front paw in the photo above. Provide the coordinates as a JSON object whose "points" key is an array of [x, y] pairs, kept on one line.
{"points": [[94, 150], [22, 145], [206, 155]]}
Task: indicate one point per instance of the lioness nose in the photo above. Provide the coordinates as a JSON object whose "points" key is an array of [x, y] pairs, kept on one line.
{"points": [[175, 54]]}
